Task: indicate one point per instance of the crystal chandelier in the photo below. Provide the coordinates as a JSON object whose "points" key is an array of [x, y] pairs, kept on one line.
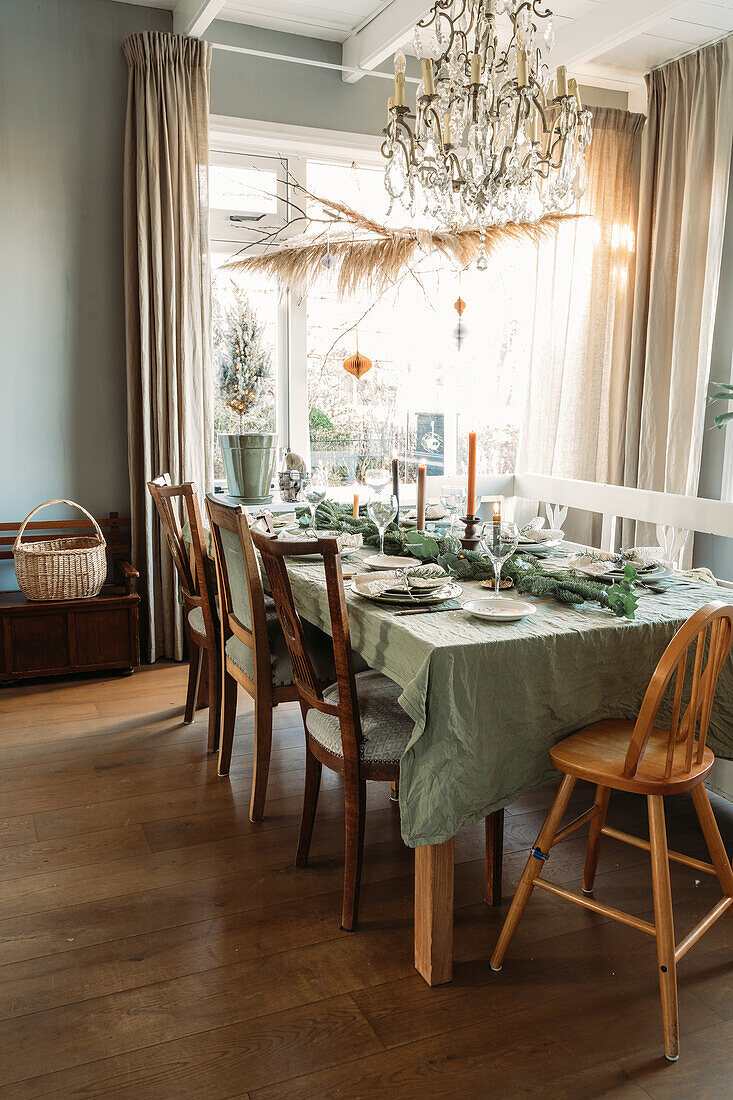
{"points": [[494, 137]]}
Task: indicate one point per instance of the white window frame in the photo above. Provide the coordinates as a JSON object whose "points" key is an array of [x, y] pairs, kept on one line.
{"points": [[293, 146]]}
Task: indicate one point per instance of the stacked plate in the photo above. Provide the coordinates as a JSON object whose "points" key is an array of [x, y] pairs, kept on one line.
{"points": [[539, 541], [607, 568], [390, 588], [348, 544]]}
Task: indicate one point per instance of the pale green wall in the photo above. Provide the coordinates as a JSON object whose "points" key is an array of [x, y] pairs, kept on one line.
{"points": [[62, 363]]}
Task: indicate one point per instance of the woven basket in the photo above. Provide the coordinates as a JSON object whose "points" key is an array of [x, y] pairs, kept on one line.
{"points": [[72, 568]]}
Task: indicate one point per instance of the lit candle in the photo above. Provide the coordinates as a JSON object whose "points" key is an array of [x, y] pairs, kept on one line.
{"points": [[446, 128], [476, 68], [355, 512], [471, 494], [522, 69], [396, 482], [421, 484], [573, 89], [428, 81], [561, 81]]}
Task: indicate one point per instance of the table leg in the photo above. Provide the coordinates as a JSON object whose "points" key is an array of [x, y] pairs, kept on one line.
{"points": [[434, 912], [494, 827]]}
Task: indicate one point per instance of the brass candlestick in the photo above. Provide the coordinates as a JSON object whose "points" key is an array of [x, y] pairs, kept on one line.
{"points": [[470, 540]]}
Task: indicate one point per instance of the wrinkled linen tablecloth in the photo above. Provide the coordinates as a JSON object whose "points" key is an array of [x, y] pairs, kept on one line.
{"points": [[489, 700]]}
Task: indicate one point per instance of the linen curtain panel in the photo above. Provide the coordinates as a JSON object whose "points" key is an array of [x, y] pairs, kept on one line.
{"points": [[579, 288], [686, 153], [167, 298]]}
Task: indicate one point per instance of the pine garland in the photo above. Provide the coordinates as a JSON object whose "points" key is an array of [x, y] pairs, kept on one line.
{"points": [[471, 565]]}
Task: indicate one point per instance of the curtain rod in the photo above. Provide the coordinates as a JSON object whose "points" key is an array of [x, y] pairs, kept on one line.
{"points": [[307, 61], [690, 52]]}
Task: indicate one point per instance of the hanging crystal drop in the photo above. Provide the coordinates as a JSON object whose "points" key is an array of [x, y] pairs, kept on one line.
{"points": [[550, 33], [580, 180]]}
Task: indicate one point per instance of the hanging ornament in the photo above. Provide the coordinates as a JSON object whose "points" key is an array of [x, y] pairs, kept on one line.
{"points": [[328, 260], [357, 364], [460, 332]]}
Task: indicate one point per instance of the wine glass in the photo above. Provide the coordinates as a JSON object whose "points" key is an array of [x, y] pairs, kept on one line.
{"points": [[377, 479], [315, 494], [453, 499], [382, 510], [498, 542]]}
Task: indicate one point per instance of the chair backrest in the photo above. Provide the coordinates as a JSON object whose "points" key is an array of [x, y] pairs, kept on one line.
{"points": [[710, 629], [241, 597], [274, 556], [195, 580]]}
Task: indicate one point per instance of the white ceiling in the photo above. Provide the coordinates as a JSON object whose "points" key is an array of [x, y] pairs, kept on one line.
{"points": [[647, 32]]}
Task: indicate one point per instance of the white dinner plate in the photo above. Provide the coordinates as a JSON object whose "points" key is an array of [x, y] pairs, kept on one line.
{"points": [[539, 547], [373, 588], [500, 611], [388, 561]]}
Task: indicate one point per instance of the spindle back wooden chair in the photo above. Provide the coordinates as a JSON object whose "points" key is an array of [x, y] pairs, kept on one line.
{"points": [[244, 617], [197, 592], [655, 760], [356, 727]]}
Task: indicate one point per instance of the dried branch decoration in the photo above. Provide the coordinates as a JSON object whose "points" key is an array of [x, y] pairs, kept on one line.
{"points": [[372, 256]]}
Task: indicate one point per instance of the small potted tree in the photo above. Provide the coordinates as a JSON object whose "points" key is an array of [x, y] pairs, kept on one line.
{"points": [[245, 382]]}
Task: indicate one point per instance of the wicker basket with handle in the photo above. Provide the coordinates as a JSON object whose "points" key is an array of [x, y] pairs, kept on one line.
{"points": [[68, 568]]}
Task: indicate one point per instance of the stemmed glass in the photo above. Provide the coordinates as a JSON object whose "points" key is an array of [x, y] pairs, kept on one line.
{"points": [[453, 499], [315, 494], [382, 510], [498, 542], [377, 479]]}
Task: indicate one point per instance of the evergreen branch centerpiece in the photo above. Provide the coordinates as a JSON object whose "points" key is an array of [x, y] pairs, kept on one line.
{"points": [[245, 382], [529, 577]]}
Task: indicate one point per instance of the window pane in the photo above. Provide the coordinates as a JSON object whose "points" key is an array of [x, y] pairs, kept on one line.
{"points": [[245, 319], [423, 395]]}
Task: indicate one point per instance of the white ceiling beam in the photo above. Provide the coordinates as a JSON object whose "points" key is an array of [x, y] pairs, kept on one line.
{"points": [[192, 17], [375, 42], [606, 26]]}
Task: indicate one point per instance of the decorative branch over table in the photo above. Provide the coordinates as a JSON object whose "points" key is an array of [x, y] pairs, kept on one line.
{"points": [[370, 255]]}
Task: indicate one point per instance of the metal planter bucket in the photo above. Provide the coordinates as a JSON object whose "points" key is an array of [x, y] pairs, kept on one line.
{"points": [[249, 460]]}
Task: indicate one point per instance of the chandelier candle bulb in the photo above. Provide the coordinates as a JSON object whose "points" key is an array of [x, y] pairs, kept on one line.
{"points": [[421, 486], [399, 89], [522, 69], [476, 68], [471, 494], [561, 81], [573, 89], [428, 79]]}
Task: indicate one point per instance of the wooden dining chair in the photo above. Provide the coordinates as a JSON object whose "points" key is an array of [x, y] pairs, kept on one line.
{"points": [[255, 654], [653, 760], [355, 727], [197, 592]]}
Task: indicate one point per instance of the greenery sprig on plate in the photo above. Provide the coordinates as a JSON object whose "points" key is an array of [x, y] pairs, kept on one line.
{"points": [[471, 565]]}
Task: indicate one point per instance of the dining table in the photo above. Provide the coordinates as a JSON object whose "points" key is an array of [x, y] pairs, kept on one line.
{"points": [[488, 701]]}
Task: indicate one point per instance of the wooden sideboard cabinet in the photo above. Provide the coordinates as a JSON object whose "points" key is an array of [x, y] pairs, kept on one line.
{"points": [[57, 637]]}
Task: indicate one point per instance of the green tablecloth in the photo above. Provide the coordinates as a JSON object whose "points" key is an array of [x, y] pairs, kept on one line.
{"points": [[489, 700]]}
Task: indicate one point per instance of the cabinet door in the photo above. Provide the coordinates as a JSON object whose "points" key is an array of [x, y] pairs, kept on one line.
{"points": [[103, 637], [39, 643]]}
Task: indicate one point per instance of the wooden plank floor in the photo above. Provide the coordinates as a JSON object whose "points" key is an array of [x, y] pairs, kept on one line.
{"points": [[155, 943]]}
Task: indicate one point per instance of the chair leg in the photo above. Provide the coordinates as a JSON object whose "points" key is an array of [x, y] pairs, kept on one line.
{"points": [[713, 839], [664, 924], [228, 719], [532, 870], [261, 767], [214, 669], [494, 829], [310, 802], [194, 675], [593, 850], [354, 805]]}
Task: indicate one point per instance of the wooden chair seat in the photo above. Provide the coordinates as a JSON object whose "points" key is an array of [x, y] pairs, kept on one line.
{"points": [[386, 728], [598, 754]]}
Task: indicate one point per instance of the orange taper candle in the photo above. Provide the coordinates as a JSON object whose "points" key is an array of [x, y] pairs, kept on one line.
{"points": [[421, 484], [471, 495], [356, 506]]}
